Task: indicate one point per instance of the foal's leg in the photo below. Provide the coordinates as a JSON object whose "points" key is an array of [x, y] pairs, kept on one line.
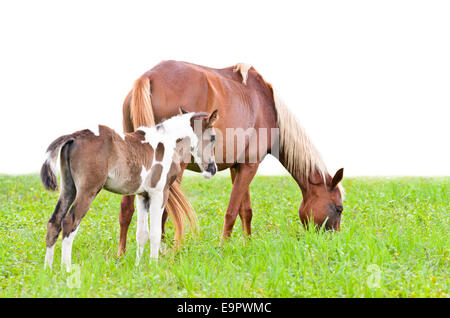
{"points": [[54, 225], [244, 175], [142, 232], [156, 212], [245, 209], [71, 222], [66, 198]]}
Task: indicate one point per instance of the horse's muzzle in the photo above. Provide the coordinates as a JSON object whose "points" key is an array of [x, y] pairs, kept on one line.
{"points": [[210, 170], [334, 217]]}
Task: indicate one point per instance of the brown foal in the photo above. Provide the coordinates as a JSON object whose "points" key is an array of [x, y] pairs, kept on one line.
{"points": [[144, 163]]}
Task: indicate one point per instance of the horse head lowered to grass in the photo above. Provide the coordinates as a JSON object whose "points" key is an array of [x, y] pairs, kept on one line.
{"points": [[144, 163]]}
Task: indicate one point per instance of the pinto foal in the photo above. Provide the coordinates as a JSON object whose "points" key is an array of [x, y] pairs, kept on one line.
{"points": [[144, 163]]}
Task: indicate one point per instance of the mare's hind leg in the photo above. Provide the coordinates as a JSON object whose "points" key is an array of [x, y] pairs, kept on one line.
{"points": [[142, 233], [71, 223], [125, 216], [66, 198]]}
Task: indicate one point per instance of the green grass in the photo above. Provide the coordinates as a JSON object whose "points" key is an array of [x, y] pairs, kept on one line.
{"points": [[394, 242]]}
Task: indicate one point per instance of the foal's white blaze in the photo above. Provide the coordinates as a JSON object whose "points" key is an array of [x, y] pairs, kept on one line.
{"points": [[49, 256], [66, 250], [197, 159]]}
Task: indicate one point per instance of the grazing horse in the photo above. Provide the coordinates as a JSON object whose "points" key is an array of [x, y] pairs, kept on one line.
{"points": [[144, 163], [249, 109]]}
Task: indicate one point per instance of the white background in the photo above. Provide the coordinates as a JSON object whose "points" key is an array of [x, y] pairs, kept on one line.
{"points": [[369, 80]]}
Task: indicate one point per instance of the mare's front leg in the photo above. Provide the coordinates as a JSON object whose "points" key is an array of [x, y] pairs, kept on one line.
{"points": [[245, 211], [244, 175]]}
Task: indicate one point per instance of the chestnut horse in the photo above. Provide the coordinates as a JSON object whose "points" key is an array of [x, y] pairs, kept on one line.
{"points": [[246, 103]]}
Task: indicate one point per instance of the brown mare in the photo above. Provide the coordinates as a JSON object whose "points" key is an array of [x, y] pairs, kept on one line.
{"points": [[144, 163], [244, 100]]}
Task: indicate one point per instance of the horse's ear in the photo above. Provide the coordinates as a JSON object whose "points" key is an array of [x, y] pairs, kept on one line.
{"points": [[213, 118], [182, 111], [337, 178]]}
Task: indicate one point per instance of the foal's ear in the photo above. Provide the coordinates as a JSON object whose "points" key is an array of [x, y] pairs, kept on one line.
{"points": [[213, 118], [337, 178], [182, 111]]}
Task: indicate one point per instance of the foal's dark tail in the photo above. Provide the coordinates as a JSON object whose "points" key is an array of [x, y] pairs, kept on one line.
{"points": [[49, 169]]}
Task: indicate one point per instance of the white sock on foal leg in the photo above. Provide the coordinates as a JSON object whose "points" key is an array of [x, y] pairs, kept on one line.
{"points": [[142, 226], [156, 212], [66, 250], [49, 256]]}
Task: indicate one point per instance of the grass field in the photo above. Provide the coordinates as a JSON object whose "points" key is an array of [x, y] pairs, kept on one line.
{"points": [[394, 242]]}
